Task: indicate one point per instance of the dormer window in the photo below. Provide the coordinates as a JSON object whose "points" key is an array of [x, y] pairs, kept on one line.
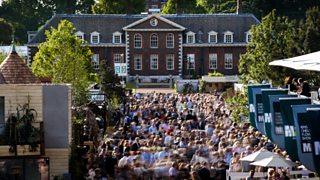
{"points": [[190, 37], [95, 38], [80, 35], [30, 36], [228, 37], [212, 37], [117, 37], [248, 36]]}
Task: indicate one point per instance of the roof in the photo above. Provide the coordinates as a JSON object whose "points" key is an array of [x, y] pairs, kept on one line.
{"points": [[107, 24], [14, 71]]}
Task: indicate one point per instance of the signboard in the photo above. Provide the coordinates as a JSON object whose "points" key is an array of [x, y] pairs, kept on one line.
{"points": [[277, 131], [308, 127], [259, 115], [120, 69], [303, 149], [290, 141], [250, 100], [266, 107]]}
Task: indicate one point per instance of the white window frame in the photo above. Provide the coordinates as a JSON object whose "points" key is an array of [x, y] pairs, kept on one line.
{"points": [[31, 36], [170, 40], [94, 34], [137, 57], [170, 65], [228, 34], [154, 42], [248, 36], [114, 37], [214, 34], [137, 41], [95, 61], [118, 58], [228, 61], [191, 58], [154, 62], [80, 35], [213, 61], [190, 37]]}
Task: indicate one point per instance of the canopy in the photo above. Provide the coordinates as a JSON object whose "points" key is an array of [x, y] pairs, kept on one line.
{"points": [[304, 62], [256, 156], [274, 161]]}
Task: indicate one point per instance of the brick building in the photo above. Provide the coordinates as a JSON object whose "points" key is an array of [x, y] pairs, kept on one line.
{"points": [[156, 47]]}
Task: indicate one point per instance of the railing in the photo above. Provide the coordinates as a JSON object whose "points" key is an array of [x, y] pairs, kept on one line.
{"points": [[19, 139]]}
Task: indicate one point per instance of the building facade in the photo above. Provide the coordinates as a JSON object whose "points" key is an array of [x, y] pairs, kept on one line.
{"points": [[153, 48]]}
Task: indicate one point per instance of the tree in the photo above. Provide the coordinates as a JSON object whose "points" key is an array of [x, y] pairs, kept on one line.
{"points": [[183, 7], [6, 32], [119, 7], [270, 41], [312, 30], [64, 59], [110, 84]]}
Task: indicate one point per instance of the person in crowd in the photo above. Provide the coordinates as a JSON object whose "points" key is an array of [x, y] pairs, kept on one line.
{"points": [[305, 89], [175, 136]]}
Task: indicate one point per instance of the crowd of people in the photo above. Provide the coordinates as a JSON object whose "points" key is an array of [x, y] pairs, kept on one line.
{"points": [[176, 136]]}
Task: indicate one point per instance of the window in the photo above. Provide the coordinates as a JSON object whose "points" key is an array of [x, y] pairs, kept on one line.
{"points": [[228, 37], [95, 61], [248, 36], [170, 62], [137, 41], [213, 37], [31, 36], [154, 6], [117, 37], [95, 38], [213, 61], [154, 61], [154, 41], [80, 35], [170, 40], [228, 62], [190, 61], [137, 62], [118, 58], [190, 37]]}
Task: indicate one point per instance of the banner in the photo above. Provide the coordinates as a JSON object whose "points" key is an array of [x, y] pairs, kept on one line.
{"points": [[288, 124], [258, 105], [250, 100], [277, 130], [303, 149], [309, 124], [266, 108]]}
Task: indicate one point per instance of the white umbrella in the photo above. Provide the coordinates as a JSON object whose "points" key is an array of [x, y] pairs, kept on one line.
{"points": [[303, 62], [261, 154], [274, 161]]}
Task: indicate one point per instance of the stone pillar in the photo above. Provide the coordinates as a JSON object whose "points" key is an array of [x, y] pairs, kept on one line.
{"points": [[170, 81]]}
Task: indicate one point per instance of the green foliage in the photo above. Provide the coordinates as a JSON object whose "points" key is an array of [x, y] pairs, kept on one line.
{"points": [[188, 88], [202, 86], [238, 102], [119, 7], [183, 7], [64, 59], [312, 30], [215, 73], [2, 57], [6, 32], [20, 129], [110, 84], [270, 41]]}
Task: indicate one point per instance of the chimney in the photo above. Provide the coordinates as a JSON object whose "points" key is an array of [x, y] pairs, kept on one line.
{"points": [[239, 7]]}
